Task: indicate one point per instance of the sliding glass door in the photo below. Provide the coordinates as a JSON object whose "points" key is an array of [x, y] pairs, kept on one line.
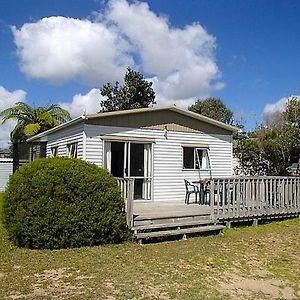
{"points": [[131, 160]]}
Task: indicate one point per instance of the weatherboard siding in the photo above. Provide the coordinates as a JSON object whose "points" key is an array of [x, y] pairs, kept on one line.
{"points": [[168, 174], [93, 152], [6, 169], [60, 139]]}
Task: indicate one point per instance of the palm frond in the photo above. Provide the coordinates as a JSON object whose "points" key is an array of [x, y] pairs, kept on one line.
{"points": [[32, 129], [60, 114], [46, 118], [20, 111], [31, 121]]}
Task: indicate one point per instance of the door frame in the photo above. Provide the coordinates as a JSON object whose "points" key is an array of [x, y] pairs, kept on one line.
{"points": [[126, 159]]}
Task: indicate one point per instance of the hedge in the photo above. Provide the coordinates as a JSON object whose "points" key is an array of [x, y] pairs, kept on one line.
{"points": [[61, 202]]}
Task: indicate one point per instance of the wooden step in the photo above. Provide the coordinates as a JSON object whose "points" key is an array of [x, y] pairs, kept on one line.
{"points": [[165, 233], [170, 215], [155, 221], [171, 225]]}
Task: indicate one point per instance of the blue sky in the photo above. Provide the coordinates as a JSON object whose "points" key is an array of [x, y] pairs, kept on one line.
{"points": [[245, 52]]}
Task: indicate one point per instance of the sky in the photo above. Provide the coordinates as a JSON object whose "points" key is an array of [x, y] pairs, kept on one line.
{"points": [[246, 53]]}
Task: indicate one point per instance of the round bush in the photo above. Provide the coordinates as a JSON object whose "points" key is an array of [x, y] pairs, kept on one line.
{"points": [[60, 202]]}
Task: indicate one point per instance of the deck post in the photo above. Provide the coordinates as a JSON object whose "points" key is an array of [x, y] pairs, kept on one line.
{"points": [[129, 200], [212, 200]]}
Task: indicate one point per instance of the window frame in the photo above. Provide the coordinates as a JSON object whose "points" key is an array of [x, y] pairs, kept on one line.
{"points": [[69, 150], [54, 151], [195, 149]]}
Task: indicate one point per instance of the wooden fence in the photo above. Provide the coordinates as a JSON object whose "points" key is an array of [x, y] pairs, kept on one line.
{"points": [[253, 197]]}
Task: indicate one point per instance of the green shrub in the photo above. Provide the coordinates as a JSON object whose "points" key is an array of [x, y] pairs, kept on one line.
{"points": [[60, 202]]}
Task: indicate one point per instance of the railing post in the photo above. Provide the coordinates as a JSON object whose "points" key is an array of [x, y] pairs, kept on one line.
{"points": [[238, 197], [129, 203], [212, 200]]}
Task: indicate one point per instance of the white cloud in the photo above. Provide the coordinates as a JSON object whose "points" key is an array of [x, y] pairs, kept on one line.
{"points": [[8, 99], [180, 61], [88, 103], [58, 49], [279, 106]]}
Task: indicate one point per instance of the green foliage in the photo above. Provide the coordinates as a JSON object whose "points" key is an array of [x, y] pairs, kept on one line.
{"points": [[292, 112], [213, 108], [61, 202], [272, 148], [250, 156], [31, 121], [136, 93]]}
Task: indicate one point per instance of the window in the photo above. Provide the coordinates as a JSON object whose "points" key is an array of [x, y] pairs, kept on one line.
{"points": [[195, 158], [54, 151], [34, 154], [72, 150]]}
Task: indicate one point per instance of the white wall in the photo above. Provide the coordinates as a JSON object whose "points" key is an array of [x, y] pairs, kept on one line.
{"points": [[6, 169], [63, 137], [168, 172], [93, 144]]}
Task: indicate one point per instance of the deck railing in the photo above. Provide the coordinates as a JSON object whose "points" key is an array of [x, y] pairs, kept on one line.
{"points": [[245, 197], [238, 198], [127, 191]]}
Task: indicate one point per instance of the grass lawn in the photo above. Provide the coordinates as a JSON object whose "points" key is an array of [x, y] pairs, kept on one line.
{"points": [[247, 263]]}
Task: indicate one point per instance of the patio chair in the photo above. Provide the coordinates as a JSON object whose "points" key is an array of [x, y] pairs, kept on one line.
{"points": [[189, 190], [204, 195]]}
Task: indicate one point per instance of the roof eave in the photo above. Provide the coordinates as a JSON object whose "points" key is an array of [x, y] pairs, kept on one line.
{"points": [[126, 112], [135, 111], [59, 127], [170, 107]]}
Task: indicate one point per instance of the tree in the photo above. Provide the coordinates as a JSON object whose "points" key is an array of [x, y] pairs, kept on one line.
{"points": [[250, 155], [135, 93], [275, 145], [31, 121], [292, 112], [213, 108]]}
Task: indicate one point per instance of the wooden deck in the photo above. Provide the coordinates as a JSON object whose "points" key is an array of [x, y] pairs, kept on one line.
{"points": [[226, 200], [168, 209]]}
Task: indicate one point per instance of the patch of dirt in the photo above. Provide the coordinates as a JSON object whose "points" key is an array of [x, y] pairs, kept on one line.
{"points": [[16, 267], [240, 287], [54, 275], [2, 275], [16, 296], [147, 291], [84, 277], [54, 283], [154, 293]]}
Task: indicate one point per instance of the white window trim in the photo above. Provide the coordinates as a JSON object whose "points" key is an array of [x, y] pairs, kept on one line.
{"points": [[195, 155], [69, 150], [55, 148]]}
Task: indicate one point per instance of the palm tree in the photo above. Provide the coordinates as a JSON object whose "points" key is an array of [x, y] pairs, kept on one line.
{"points": [[31, 121]]}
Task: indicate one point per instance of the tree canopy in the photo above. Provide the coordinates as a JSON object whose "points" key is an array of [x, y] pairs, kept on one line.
{"points": [[31, 121], [213, 108], [274, 146], [135, 93]]}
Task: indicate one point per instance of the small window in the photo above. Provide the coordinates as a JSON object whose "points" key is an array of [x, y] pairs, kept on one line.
{"points": [[72, 150], [54, 151], [195, 158], [34, 154]]}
